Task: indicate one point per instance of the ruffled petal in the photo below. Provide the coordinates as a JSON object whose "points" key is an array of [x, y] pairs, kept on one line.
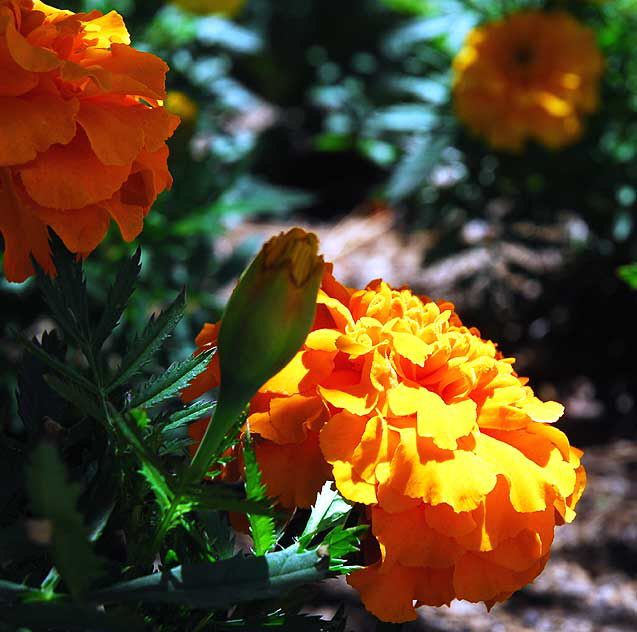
{"points": [[86, 180], [31, 124], [304, 460], [420, 470]]}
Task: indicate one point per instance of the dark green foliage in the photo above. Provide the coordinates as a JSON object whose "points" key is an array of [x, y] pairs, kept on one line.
{"points": [[117, 299], [629, 274], [54, 500], [108, 465], [226, 582], [173, 380], [45, 616], [145, 346], [262, 528]]}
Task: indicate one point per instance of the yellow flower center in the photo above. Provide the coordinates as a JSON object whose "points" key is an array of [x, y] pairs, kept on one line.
{"points": [[297, 251]]}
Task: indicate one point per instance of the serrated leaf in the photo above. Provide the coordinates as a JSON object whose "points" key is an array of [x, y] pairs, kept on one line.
{"points": [[412, 171], [150, 466], [175, 446], [54, 363], [70, 280], [262, 528], [227, 497], [341, 542], [35, 399], [170, 382], [156, 481], [187, 415], [224, 583], [54, 498], [117, 299], [73, 393], [66, 294], [220, 534], [330, 508], [143, 348]]}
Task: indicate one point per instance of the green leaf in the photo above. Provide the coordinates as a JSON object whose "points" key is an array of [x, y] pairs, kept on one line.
{"points": [[162, 491], [219, 532], [143, 348], [75, 394], [628, 273], [66, 294], [151, 467], [227, 497], [329, 509], [247, 196], [117, 299], [413, 169], [171, 381], [224, 583], [341, 542], [262, 528], [187, 415], [57, 365], [54, 499]]}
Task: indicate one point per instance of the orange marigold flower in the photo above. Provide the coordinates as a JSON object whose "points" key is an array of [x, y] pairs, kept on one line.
{"points": [[82, 131], [531, 75], [429, 425]]}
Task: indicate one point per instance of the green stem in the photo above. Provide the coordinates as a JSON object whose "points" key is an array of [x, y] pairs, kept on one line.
{"points": [[226, 413]]}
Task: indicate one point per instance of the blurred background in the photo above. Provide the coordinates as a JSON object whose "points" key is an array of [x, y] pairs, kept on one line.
{"points": [[339, 116]]}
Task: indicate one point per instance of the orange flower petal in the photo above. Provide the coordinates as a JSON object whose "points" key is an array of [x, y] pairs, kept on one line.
{"points": [[460, 479], [86, 180], [23, 233], [406, 538], [81, 229], [387, 593], [306, 463], [529, 489], [26, 55], [288, 418], [32, 124]]}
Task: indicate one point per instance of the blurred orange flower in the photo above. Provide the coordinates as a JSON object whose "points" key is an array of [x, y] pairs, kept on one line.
{"points": [[429, 425], [531, 75], [82, 131]]}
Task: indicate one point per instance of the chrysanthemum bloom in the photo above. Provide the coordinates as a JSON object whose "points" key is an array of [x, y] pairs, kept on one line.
{"points": [[428, 425], [82, 131], [206, 7], [532, 75]]}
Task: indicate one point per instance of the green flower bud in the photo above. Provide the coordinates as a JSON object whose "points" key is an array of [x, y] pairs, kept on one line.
{"points": [[264, 324], [269, 313]]}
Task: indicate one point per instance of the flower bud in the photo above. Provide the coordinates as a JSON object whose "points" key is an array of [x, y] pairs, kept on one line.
{"points": [[265, 323], [269, 313]]}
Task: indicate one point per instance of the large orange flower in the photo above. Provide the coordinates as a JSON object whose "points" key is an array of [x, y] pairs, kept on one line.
{"points": [[428, 424], [82, 131], [532, 75]]}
